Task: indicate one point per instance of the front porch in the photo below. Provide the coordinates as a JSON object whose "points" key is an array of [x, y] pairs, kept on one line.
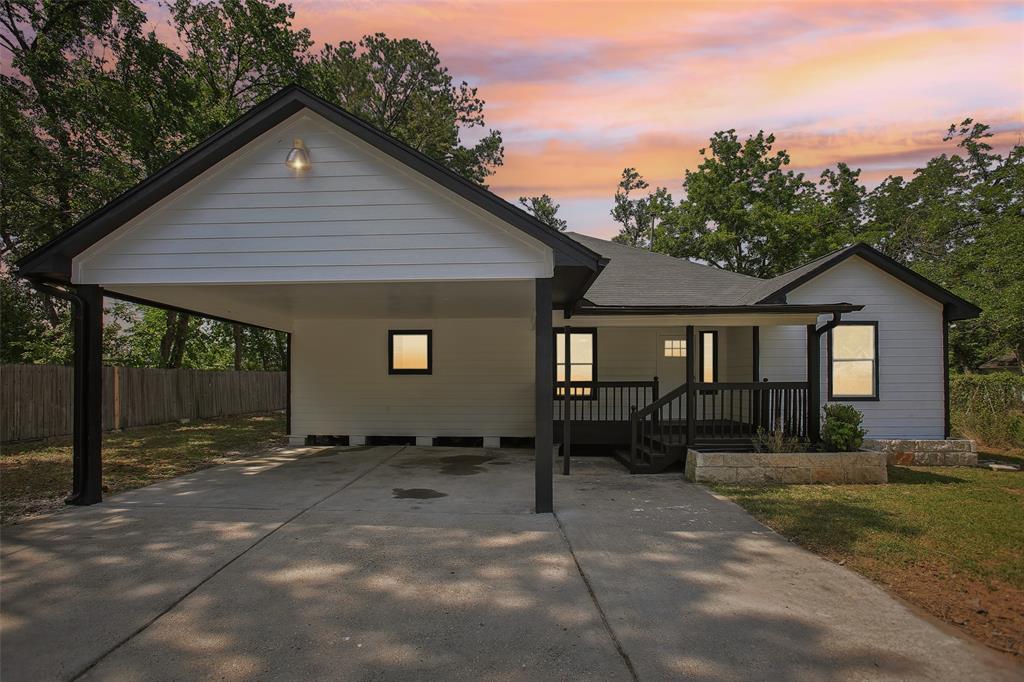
{"points": [[709, 390]]}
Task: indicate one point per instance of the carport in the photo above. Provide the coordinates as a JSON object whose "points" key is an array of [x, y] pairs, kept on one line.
{"points": [[301, 218]]}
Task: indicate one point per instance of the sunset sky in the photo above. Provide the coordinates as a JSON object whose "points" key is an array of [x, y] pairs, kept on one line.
{"points": [[581, 90]]}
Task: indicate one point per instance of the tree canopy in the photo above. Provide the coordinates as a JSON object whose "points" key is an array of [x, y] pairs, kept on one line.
{"points": [[94, 102], [959, 221], [545, 210]]}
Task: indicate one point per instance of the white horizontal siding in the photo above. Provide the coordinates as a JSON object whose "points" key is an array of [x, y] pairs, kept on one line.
{"points": [[482, 381], [911, 375], [354, 215]]}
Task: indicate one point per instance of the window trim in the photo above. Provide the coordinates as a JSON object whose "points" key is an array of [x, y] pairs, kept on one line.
{"points": [[392, 333], [669, 338], [555, 331], [877, 361], [714, 355]]}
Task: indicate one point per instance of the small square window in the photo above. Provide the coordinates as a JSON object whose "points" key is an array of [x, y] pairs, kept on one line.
{"points": [[675, 348], [410, 351]]}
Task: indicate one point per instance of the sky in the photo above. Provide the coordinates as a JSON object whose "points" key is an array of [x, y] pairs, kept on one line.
{"points": [[581, 90]]}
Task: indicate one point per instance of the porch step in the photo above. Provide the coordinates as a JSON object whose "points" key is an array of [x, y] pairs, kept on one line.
{"points": [[655, 464]]}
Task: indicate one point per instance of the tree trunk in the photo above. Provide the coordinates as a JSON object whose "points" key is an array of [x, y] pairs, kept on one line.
{"points": [[172, 343], [237, 333]]}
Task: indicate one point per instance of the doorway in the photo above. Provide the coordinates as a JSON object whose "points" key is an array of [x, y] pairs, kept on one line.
{"points": [[671, 362]]}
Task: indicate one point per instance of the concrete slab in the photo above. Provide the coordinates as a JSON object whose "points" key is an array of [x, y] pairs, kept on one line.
{"points": [[695, 588], [449, 480], [76, 584], [292, 478], [403, 563], [385, 595]]}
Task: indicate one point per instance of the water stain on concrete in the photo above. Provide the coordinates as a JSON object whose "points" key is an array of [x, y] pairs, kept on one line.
{"points": [[416, 494], [452, 465]]}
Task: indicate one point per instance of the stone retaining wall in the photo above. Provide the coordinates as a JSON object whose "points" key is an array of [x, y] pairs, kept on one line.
{"points": [[926, 452], [759, 468]]}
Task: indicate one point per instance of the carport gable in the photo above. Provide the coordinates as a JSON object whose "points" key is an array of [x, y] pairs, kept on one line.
{"points": [[364, 193]]}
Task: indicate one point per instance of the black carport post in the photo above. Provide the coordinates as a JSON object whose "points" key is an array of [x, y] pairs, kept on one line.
{"points": [[87, 467], [544, 398]]}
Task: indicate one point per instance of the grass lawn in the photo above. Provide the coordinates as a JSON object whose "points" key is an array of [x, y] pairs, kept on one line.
{"points": [[950, 540], [36, 476]]}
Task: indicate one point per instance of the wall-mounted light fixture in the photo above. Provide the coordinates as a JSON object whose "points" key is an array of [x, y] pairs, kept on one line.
{"points": [[298, 157]]}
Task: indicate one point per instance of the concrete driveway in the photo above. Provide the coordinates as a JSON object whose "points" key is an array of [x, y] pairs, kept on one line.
{"points": [[417, 563]]}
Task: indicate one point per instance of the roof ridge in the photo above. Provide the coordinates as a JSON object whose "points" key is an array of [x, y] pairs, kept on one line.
{"points": [[674, 259]]}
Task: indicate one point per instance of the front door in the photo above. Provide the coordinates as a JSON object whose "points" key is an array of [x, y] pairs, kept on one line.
{"points": [[671, 363]]}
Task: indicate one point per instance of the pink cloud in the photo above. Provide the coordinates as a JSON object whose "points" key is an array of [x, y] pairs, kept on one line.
{"points": [[582, 89]]}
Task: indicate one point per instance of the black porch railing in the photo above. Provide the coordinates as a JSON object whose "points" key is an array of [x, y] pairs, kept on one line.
{"points": [[603, 401], [715, 413]]}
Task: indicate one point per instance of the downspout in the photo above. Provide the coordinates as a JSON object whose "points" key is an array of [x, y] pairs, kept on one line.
{"points": [[814, 334]]}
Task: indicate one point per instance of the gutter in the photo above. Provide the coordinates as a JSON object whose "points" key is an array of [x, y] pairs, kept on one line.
{"points": [[769, 308]]}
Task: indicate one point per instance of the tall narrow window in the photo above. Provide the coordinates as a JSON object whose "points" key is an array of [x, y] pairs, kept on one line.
{"points": [[853, 354], [410, 351], [708, 357], [583, 354]]}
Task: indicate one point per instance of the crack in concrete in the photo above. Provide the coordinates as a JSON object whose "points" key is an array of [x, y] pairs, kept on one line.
{"points": [[597, 604], [92, 664]]}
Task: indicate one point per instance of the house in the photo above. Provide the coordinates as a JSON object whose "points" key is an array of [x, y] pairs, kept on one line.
{"points": [[423, 308]]}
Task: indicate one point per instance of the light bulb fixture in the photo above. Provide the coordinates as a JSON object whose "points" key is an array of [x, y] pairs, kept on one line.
{"points": [[298, 157]]}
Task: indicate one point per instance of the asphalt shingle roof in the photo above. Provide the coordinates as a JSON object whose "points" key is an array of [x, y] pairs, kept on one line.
{"points": [[639, 277]]}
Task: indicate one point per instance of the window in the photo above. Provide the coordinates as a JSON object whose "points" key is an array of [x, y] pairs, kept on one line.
{"points": [[410, 351], [853, 354], [583, 354], [708, 357], [675, 348]]}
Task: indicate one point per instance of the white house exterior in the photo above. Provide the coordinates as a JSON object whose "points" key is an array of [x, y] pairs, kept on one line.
{"points": [[422, 308]]}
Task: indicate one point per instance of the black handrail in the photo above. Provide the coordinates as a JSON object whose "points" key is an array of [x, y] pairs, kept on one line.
{"points": [[720, 411]]}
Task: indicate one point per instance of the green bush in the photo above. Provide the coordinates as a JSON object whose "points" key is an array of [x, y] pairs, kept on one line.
{"points": [[841, 429], [988, 408]]}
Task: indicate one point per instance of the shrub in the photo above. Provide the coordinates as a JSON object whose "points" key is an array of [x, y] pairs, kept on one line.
{"points": [[776, 440], [841, 430], [988, 408]]}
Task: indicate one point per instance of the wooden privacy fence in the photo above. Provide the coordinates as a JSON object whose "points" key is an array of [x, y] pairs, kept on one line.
{"points": [[36, 400]]}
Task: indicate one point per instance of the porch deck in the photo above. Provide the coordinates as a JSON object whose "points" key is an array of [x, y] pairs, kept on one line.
{"points": [[650, 432]]}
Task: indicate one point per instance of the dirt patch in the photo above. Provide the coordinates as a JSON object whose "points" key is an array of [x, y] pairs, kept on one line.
{"points": [[992, 613], [416, 494]]}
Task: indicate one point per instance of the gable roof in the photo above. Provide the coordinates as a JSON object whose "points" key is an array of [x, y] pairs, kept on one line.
{"points": [[641, 281], [774, 290], [52, 261]]}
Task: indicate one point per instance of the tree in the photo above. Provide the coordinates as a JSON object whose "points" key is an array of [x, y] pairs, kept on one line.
{"points": [[93, 103], [745, 212], [960, 221], [638, 216], [401, 87], [544, 209]]}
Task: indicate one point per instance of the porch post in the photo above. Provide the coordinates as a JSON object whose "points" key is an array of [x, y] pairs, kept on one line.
{"points": [[288, 387], [691, 393], [543, 379], [87, 467], [567, 398], [813, 384]]}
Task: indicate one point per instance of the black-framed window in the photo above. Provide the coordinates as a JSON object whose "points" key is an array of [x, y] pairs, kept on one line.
{"points": [[853, 361], [708, 357], [583, 357], [410, 351]]}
